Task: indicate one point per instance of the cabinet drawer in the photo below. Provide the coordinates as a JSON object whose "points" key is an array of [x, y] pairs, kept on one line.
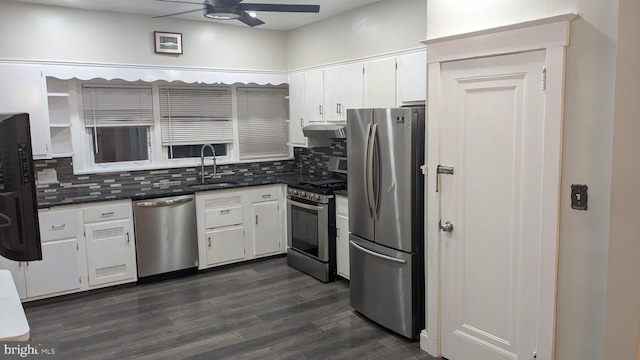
{"points": [[57, 224], [107, 212], [342, 205], [223, 217], [271, 193]]}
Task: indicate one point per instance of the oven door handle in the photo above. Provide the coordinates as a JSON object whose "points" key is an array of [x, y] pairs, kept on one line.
{"points": [[305, 206]]}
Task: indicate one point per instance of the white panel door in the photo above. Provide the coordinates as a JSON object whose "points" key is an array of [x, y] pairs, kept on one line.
{"points": [[314, 95], [22, 90], [266, 228], [380, 83], [225, 245], [411, 79], [109, 253], [296, 110], [492, 134], [57, 271]]}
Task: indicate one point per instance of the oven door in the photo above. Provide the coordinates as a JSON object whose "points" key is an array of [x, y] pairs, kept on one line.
{"points": [[309, 228]]}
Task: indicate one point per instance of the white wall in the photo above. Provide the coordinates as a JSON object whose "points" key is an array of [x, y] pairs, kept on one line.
{"points": [[48, 33], [622, 326], [587, 154], [380, 28]]}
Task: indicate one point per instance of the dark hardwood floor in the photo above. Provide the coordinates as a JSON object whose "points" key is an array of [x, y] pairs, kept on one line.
{"points": [[258, 310]]}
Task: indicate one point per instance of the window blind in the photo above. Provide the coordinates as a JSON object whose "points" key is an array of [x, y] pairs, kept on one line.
{"points": [[193, 116], [110, 106], [262, 122]]}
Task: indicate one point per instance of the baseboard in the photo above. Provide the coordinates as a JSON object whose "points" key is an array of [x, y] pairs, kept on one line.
{"points": [[429, 345]]}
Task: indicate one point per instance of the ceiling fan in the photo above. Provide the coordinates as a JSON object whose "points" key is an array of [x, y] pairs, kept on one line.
{"points": [[237, 10]]}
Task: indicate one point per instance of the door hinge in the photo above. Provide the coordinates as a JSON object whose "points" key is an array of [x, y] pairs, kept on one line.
{"points": [[544, 78], [80, 279]]}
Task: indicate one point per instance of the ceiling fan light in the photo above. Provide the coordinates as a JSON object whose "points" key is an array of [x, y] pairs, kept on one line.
{"points": [[222, 12]]}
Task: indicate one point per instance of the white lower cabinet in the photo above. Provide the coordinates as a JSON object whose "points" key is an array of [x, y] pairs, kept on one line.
{"points": [[342, 237], [59, 271], [268, 221], [220, 221], [225, 245], [238, 225]]}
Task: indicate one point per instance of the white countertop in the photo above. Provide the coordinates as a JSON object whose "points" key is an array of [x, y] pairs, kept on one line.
{"points": [[13, 322]]}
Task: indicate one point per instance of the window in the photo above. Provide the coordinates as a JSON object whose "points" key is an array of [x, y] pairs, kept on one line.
{"points": [[117, 120], [193, 116], [126, 126], [262, 122]]}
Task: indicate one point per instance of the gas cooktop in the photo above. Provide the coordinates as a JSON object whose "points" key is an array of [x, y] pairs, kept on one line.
{"points": [[323, 186]]}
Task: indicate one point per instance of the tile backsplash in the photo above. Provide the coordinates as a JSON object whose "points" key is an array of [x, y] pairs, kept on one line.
{"points": [[307, 162]]}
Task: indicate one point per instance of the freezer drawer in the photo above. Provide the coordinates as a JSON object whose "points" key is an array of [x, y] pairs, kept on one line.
{"points": [[386, 286]]}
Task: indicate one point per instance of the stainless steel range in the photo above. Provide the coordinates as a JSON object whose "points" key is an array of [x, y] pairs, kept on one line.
{"points": [[312, 227]]}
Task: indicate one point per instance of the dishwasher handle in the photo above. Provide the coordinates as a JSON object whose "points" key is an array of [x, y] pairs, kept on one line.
{"points": [[162, 203]]}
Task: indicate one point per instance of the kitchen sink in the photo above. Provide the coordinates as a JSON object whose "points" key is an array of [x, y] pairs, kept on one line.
{"points": [[214, 185]]}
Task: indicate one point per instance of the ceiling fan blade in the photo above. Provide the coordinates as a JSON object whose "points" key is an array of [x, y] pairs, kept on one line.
{"points": [[250, 20], [181, 2], [280, 7], [178, 13]]}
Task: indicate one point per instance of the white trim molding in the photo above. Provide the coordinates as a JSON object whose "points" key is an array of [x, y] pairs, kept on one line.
{"points": [[551, 35]]}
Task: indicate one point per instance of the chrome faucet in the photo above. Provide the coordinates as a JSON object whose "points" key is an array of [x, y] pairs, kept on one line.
{"points": [[202, 160]]}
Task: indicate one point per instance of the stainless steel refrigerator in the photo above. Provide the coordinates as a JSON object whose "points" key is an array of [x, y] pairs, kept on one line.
{"points": [[385, 149]]}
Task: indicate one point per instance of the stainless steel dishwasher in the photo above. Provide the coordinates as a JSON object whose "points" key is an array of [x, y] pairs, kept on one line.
{"points": [[166, 236]]}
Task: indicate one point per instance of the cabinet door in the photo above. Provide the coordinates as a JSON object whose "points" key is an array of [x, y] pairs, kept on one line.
{"points": [[109, 252], [412, 78], [380, 83], [314, 95], [16, 268], [57, 271], [343, 89], [22, 89], [342, 246], [267, 233], [296, 110], [225, 245]]}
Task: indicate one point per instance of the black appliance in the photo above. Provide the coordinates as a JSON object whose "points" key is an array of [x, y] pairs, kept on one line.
{"points": [[312, 226], [19, 226]]}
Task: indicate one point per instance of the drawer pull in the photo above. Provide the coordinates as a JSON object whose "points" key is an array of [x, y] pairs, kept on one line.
{"points": [[266, 196], [225, 212], [58, 227], [209, 241], [105, 214]]}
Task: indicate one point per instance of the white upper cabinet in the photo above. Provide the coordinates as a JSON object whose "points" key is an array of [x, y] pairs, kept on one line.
{"points": [[23, 90], [411, 78], [296, 109], [314, 95], [343, 89], [380, 83]]}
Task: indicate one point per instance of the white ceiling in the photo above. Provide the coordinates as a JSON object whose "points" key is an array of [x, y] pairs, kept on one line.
{"points": [[275, 21]]}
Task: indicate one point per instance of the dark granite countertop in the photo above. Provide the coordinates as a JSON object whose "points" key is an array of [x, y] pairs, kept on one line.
{"points": [[167, 191], [341, 192]]}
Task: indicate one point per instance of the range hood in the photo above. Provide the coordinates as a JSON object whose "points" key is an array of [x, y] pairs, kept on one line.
{"points": [[336, 130]]}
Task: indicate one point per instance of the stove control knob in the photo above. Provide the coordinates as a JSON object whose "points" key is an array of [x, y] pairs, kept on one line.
{"points": [[302, 193], [316, 197]]}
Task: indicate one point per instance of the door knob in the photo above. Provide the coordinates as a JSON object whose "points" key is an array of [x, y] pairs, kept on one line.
{"points": [[447, 226]]}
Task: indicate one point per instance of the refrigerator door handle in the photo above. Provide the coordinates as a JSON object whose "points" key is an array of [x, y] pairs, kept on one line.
{"points": [[370, 179], [381, 256], [367, 192]]}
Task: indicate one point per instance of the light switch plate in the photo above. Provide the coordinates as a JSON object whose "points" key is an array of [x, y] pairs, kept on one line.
{"points": [[579, 196]]}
